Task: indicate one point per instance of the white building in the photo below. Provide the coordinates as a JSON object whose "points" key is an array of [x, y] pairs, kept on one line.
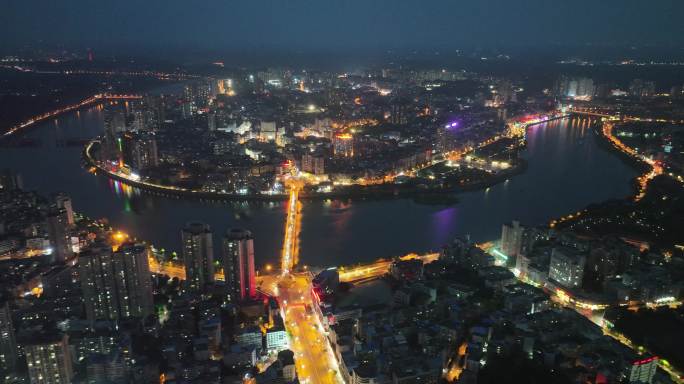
{"points": [[567, 267], [276, 339], [250, 337], [642, 371]]}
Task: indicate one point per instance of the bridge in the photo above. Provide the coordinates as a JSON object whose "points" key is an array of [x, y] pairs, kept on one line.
{"points": [[290, 254], [54, 113], [378, 268], [315, 360]]}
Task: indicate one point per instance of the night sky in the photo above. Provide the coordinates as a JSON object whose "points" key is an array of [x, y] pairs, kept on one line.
{"points": [[339, 24]]}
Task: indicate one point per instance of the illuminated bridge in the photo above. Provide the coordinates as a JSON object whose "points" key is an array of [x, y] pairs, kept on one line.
{"points": [[54, 113], [290, 254], [315, 360], [379, 268]]}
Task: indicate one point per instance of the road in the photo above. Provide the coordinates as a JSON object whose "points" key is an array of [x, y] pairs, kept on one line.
{"points": [[290, 251], [314, 357], [379, 268]]}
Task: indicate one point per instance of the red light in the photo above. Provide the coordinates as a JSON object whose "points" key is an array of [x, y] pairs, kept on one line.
{"points": [[645, 361]]}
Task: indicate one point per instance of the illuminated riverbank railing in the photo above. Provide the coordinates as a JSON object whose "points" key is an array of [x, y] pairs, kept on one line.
{"points": [[644, 179]]}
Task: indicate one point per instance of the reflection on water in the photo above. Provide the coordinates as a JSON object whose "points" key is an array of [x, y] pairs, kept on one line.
{"points": [[566, 171]]}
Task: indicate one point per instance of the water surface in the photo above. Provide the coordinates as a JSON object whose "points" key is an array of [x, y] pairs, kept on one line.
{"points": [[567, 170]]}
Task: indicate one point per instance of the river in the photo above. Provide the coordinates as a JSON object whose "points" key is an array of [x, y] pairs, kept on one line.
{"points": [[567, 170]]}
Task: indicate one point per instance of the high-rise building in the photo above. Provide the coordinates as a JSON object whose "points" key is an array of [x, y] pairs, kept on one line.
{"points": [[238, 264], [116, 285], [57, 226], [8, 343], [343, 145], [63, 201], [399, 113], [211, 121], [198, 94], [10, 181], [313, 164], [49, 360], [582, 87], [511, 240], [59, 281], [98, 283], [106, 368], [133, 281], [144, 153], [567, 267], [642, 371], [505, 93], [585, 87], [268, 131], [641, 88], [114, 124], [198, 255]]}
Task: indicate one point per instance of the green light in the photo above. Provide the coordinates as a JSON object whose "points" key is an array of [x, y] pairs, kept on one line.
{"points": [[496, 252], [120, 145]]}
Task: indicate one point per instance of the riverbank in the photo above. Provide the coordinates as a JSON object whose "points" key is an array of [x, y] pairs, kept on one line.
{"points": [[605, 143], [421, 193], [649, 168]]}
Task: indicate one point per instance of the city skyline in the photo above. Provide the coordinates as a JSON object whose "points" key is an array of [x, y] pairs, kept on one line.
{"points": [[383, 192]]}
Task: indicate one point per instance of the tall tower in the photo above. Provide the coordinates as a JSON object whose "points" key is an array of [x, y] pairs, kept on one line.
{"points": [[511, 241], [57, 225], [198, 255], [98, 283], [8, 343], [133, 281], [238, 264], [63, 201], [116, 285], [49, 360]]}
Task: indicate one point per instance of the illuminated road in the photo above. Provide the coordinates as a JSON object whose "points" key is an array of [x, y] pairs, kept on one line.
{"points": [[379, 268], [607, 131], [314, 357], [643, 180], [592, 311], [290, 245]]}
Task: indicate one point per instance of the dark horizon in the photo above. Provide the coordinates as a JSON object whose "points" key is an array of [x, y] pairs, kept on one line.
{"points": [[215, 27]]}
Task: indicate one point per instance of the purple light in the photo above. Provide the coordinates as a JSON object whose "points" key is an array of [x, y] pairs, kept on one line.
{"points": [[451, 125]]}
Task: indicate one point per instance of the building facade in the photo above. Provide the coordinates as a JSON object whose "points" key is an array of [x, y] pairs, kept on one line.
{"points": [[198, 255], [238, 264], [49, 361]]}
